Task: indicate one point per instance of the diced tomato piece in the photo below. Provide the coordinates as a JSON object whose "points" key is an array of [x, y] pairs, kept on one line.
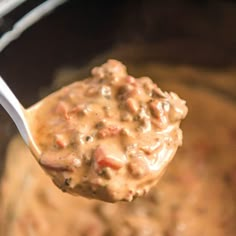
{"points": [[110, 162], [61, 141], [108, 131], [99, 153], [156, 108], [132, 105], [104, 161]]}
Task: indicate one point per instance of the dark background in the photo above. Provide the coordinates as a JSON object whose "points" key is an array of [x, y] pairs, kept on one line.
{"points": [[199, 33], [192, 32]]}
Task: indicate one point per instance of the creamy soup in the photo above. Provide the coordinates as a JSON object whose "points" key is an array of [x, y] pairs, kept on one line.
{"points": [[196, 195], [110, 136]]}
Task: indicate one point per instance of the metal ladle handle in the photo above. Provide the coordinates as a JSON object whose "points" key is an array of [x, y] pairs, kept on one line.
{"points": [[27, 20]]}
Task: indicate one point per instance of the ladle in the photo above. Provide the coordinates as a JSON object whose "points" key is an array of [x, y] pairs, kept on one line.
{"points": [[18, 114]]}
